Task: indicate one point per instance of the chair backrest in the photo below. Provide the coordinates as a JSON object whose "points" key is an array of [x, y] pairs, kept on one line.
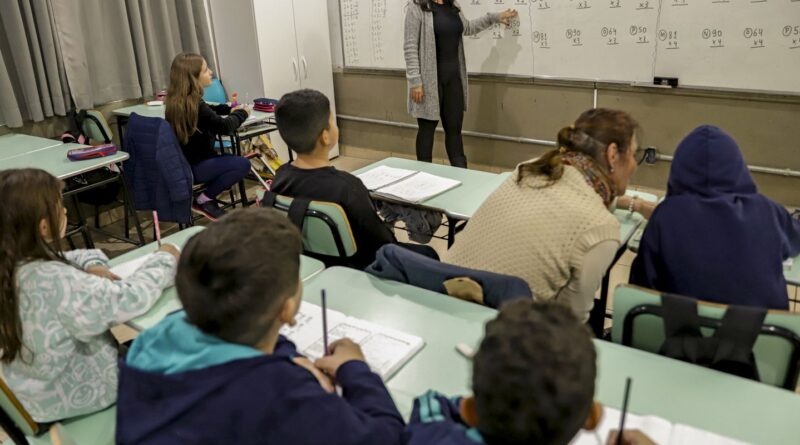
{"points": [[326, 229], [638, 323], [12, 407], [215, 92], [96, 127]]}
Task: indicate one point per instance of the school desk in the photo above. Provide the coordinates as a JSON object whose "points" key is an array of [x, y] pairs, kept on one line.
{"points": [[169, 302], [243, 133], [13, 145], [54, 160], [664, 387], [457, 204]]}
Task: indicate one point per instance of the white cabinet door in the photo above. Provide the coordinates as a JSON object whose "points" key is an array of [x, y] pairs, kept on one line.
{"points": [[314, 48], [277, 45]]}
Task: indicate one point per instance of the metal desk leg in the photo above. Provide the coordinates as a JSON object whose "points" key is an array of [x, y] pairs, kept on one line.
{"points": [[451, 231], [121, 121], [129, 206], [87, 237], [242, 187]]}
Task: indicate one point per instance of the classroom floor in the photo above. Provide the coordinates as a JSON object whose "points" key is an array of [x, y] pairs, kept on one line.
{"points": [[113, 248]]}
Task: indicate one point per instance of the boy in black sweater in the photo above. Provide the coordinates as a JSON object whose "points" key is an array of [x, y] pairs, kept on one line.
{"points": [[307, 125]]}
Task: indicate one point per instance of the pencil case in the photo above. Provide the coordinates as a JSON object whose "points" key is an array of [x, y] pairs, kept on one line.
{"points": [[96, 151]]}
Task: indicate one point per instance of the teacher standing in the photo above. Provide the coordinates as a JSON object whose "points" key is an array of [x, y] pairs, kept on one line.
{"points": [[437, 71]]}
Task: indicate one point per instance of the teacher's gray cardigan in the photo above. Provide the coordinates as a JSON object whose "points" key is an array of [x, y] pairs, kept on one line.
{"points": [[420, 54]]}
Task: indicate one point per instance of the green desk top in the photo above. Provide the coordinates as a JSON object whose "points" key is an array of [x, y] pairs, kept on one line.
{"points": [[159, 110], [793, 275], [13, 145], [663, 387], [169, 302], [54, 161], [460, 202]]}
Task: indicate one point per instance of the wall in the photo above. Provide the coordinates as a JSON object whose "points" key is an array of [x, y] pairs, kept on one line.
{"points": [[763, 125]]}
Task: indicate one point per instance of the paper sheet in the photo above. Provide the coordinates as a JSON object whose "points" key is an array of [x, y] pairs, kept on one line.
{"points": [[127, 268], [419, 187], [382, 176]]}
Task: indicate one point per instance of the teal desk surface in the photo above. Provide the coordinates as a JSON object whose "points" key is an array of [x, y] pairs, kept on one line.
{"points": [[13, 145], [663, 387], [793, 275], [169, 302], [159, 110], [54, 161], [460, 202]]}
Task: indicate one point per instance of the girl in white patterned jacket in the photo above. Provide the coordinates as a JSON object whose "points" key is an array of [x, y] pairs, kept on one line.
{"points": [[56, 352]]}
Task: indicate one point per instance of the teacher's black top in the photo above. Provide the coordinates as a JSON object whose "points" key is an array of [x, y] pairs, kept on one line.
{"points": [[448, 29]]}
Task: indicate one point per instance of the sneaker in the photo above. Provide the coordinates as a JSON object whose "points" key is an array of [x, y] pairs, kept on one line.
{"points": [[209, 209]]}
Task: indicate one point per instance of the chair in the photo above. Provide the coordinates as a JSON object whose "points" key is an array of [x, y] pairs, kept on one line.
{"points": [[92, 429], [216, 93], [639, 324], [326, 230]]}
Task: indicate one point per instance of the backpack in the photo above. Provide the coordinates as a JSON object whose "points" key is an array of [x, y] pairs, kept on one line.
{"points": [[98, 196], [729, 349]]}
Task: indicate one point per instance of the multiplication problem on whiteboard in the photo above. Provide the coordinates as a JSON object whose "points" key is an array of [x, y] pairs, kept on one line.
{"points": [[714, 37], [639, 33], [669, 37], [540, 40], [574, 36], [792, 35], [756, 37]]}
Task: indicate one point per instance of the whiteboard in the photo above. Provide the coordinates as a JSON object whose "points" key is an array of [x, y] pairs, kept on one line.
{"points": [[739, 44], [729, 44]]}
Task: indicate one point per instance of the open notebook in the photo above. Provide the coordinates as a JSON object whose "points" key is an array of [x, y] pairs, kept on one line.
{"points": [[661, 431], [386, 350], [406, 185]]}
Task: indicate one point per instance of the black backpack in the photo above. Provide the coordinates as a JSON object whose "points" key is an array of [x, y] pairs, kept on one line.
{"points": [[729, 349], [98, 196]]}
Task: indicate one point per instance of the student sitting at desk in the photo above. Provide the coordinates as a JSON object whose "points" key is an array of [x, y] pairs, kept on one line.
{"points": [[715, 237], [58, 356], [307, 125], [533, 380], [550, 223], [220, 372], [197, 125]]}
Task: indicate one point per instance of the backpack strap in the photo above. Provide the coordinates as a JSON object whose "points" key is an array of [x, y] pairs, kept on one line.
{"points": [[735, 338], [681, 328], [297, 209]]}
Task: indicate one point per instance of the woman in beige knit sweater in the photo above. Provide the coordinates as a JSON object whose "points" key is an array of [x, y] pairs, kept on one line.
{"points": [[550, 223]]}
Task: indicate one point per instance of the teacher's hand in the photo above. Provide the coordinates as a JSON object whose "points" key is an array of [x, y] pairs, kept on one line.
{"points": [[417, 93], [507, 15]]}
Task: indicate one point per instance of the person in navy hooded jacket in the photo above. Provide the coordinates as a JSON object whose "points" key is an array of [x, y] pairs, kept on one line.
{"points": [[715, 237], [222, 373]]}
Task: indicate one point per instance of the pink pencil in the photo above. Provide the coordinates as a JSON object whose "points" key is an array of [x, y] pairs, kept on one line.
{"points": [[157, 228], [325, 322]]}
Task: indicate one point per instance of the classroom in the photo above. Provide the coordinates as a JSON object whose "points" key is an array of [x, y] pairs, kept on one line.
{"points": [[399, 222]]}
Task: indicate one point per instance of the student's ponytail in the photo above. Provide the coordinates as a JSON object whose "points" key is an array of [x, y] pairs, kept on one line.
{"points": [[591, 134]]}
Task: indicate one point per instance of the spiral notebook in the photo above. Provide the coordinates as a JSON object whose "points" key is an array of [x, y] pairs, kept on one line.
{"points": [[385, 349]]}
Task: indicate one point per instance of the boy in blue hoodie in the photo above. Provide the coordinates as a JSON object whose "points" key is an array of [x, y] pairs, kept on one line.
{"points": [[533, 381], [220, 372]]}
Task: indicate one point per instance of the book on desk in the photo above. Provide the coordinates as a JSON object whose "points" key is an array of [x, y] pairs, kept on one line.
{"points": [[405, 185]]}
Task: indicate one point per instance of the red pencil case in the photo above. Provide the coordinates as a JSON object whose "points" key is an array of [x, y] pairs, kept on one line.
{"points": [[96, 151]]}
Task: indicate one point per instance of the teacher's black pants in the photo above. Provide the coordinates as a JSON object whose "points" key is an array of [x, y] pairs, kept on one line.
{"points": [[451, 111]]}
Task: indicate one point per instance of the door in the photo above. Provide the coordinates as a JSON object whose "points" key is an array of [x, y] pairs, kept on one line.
{"points": [[280, 65], [314, 49]]}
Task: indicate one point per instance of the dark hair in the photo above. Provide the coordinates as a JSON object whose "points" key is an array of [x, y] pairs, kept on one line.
{"points": [[234, 276], [426, 5], [301, 116], [28, 196], [534, 375], [592, 133]]}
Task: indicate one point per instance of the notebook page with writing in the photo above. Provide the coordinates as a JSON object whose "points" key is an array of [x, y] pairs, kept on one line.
{"points": [[127, 268], [386, 350], [382, 176], [419, 187], [658, 429]]}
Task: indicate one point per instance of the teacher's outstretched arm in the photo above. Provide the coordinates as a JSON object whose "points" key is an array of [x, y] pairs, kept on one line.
{"points": [[472, 27]]}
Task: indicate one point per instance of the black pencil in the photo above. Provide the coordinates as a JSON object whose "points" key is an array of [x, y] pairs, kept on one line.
{"points": [[324, 322], [624, 410]]}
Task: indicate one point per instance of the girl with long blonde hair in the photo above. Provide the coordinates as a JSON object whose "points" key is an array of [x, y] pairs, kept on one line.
{"points": [[197, 125]]}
